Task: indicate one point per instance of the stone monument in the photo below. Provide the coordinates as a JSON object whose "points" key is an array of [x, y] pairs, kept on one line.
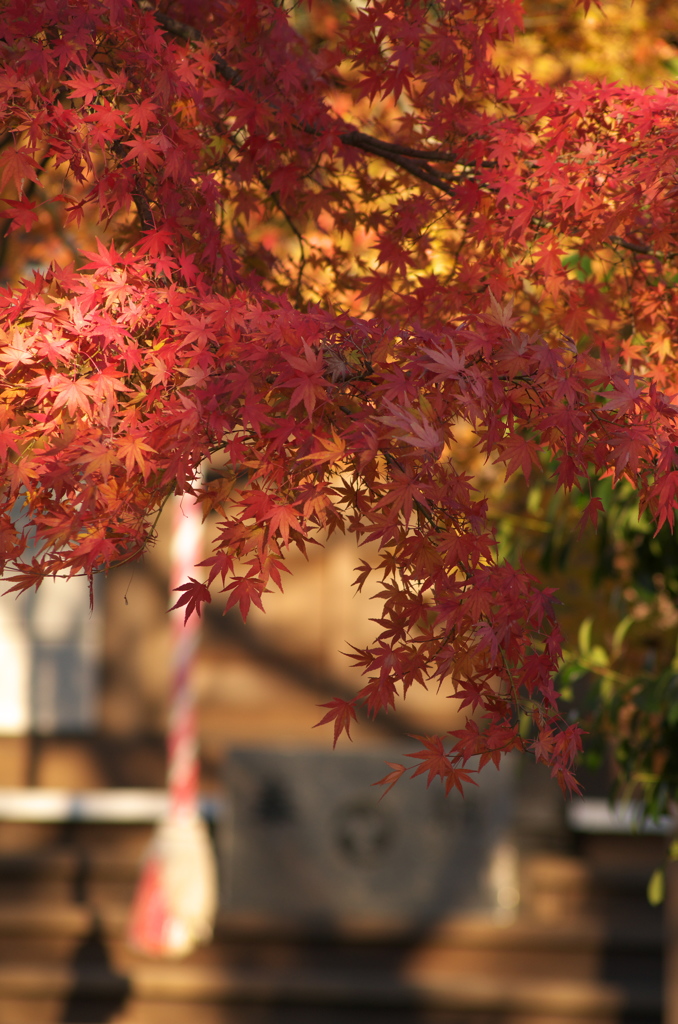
{"points": [[309, 837]]}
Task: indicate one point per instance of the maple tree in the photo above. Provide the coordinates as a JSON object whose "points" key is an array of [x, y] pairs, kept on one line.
{"points": [[326, 240]]}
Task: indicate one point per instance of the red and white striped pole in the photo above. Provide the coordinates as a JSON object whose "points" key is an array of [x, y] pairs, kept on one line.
{"points": [[182, 750], [176, 898]]}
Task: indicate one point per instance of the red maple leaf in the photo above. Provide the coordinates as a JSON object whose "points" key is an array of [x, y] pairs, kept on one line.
{"points": [[396, 773], [352, 307], [194, 595], [342, 713]]}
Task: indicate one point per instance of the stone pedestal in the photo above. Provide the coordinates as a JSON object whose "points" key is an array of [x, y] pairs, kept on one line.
{"points": [[309, 837]]}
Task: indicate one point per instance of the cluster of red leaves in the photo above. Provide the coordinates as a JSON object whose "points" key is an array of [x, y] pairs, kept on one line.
{"points": [[317, 299]]}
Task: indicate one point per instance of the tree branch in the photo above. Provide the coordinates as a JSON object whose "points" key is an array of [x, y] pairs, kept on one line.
{"points": [[643, 250], [143, 206], [415, 161]]}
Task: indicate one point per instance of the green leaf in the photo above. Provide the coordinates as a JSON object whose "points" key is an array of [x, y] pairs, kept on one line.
{"points": [[570, 673], [599, 657], [534, 499], [584, 636], [621, 629], [656, 887]]}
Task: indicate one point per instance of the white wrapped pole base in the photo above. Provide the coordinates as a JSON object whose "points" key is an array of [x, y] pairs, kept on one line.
{"points": [[176, 900]]}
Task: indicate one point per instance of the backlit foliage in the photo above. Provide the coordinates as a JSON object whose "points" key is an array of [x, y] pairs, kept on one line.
{"points": [[322, 244]]}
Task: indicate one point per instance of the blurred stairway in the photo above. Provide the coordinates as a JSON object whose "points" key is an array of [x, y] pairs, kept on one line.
{"points": [[585, 947]]}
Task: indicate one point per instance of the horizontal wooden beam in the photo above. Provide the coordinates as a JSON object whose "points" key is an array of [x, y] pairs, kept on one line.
{"points": [[114, 806]]}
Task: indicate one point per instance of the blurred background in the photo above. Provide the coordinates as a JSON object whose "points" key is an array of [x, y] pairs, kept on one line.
{"points": [[505, 906]]}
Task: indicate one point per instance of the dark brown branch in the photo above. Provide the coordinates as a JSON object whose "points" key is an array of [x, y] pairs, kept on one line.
{"points": [[143, 206], [642, 250], [360, 139], [632, 246], [418, 170], [396, 155]]}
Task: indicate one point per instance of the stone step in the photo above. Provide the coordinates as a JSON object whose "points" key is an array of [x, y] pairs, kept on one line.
{"points": [[110, 855], [559, 886], [200, 993], [63, 913], [77, 873], [58, 933]]}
